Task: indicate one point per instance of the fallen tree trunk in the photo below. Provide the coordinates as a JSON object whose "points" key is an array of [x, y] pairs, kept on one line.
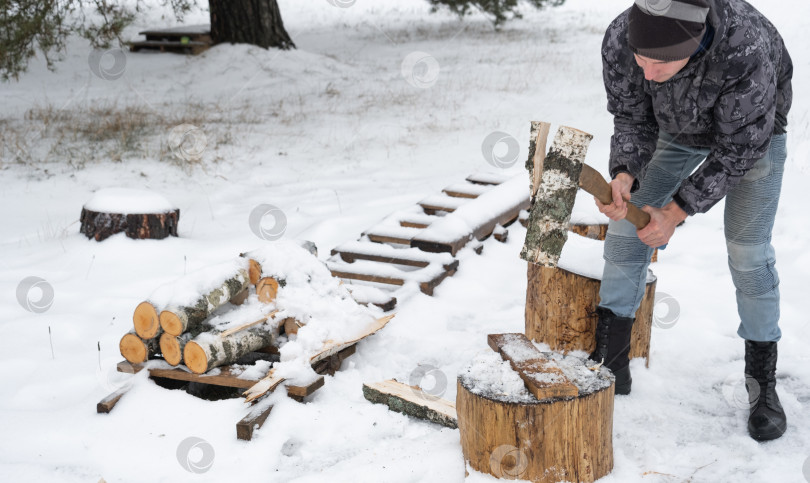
{"points": [[178, 319], [136, 350], [209, 350]]}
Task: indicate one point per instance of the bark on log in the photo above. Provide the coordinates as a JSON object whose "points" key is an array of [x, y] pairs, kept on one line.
{"points": [[209, 350], [561, 311], [551, 208], [146, 321], [542, 441], [178, 319], [412, 401], [99, 225], [136, 350]]}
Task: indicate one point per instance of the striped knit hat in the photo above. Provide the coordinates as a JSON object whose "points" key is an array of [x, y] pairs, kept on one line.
{"points": [[667, 30]]}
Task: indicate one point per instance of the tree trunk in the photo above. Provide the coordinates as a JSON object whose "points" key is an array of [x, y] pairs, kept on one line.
{"points": [[178, 319], [256, 22], [209, 350]]}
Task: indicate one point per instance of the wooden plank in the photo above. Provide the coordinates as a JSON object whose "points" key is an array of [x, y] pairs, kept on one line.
{"points": [[412, 401], [487, 178], [253, 421], [416, 220], [300, 392], [507, 209], [427, 278], [442, 202], [466, 190], [198, 29], [375, 252], [108, 403], [391, 234], [542, 379], [226, 377], [329, 348]]}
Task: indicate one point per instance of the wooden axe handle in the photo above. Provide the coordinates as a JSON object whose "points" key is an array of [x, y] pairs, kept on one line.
{"points": [[591, 181]]}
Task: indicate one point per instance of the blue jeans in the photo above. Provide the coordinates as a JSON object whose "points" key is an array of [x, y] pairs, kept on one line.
{"points": [[750, 211]]}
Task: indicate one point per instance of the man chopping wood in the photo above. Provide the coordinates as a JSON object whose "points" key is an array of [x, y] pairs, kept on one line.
{"points": [[700, 91]]}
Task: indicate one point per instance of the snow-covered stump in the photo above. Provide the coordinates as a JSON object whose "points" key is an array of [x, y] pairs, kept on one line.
{"points": [[509, 433], [561, 302], [140, 214]]}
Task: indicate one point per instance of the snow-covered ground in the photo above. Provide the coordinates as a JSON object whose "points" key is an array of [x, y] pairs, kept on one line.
{"points": [[338, 134]]}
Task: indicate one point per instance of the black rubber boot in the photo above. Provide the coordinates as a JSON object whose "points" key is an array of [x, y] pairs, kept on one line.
{"points": [[767, 419], [613, 346]]}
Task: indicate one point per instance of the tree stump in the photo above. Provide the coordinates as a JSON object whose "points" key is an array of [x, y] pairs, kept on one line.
{"points": [[561, 302], [137, 213], [509, 433]]}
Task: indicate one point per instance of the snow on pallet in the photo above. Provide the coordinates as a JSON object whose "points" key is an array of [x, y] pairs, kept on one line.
{"points": [[191, 39], [420, 244]]}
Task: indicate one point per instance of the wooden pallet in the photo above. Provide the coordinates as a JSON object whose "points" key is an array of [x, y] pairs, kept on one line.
{"points": [[413, 245], [191, 39], [228, 376]]}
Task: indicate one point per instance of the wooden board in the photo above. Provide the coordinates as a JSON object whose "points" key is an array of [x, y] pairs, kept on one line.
{"points": [[252, 421], [427, 283], [350, 252], [412, 401], [108, 403], [271, 380], [530, 363], [487, 178]]}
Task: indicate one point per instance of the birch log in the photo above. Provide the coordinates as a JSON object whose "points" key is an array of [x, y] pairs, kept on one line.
{"points": [[551, 208], [136, 350], [171, 346], [146, 321], [177, 319], [209, 350]]}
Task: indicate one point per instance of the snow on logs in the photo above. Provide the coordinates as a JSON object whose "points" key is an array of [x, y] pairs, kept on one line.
{"points": [[531, 415], [140, 214], [190, 322]]}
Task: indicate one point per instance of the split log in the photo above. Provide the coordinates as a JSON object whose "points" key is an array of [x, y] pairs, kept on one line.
{"points": [[548, 440], [542, 379], [137, 350], [561, 311], [146, 321], [100, 225], [412, 401], [209, 350], [178, 319]]}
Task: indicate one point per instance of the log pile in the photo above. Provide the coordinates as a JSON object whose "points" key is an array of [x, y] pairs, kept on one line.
{"points": [[186, 332]]}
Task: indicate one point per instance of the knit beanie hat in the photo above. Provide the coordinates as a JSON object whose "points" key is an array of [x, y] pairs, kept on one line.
{"points": [[667, 30]]}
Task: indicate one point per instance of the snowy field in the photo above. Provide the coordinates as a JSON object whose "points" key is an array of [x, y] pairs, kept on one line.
{"points": [[335, 135]]}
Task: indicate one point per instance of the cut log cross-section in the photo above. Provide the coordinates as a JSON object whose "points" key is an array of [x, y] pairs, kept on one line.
{"points": [[542, 379], [267, 289], [171, 346], [177, 319], [146, 321], [137, 350]]}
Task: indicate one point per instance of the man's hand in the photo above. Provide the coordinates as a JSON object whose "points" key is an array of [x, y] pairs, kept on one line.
{"points": [[620, 186], [662, 224]]}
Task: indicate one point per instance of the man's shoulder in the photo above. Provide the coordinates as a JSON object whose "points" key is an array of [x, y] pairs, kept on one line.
{"points": [[614, 44]]}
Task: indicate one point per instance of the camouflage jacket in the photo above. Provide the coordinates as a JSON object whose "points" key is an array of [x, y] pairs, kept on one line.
{"points": [[730, 98]]}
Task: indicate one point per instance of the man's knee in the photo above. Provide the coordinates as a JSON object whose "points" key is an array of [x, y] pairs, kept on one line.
{"points": [[752, 268]]}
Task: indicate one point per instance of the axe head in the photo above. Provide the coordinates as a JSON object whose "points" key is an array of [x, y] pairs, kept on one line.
{"points": [[554, 197]]}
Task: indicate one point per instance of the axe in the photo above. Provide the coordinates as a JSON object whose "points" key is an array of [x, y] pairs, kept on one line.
{"points": [[556, 177]]}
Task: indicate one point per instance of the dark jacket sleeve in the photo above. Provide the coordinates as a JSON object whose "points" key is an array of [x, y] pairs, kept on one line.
{"points": [[743, 126], [635, 130]]}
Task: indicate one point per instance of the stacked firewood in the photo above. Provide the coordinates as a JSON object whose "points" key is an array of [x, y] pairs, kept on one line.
{"points": [[187, 330]]}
